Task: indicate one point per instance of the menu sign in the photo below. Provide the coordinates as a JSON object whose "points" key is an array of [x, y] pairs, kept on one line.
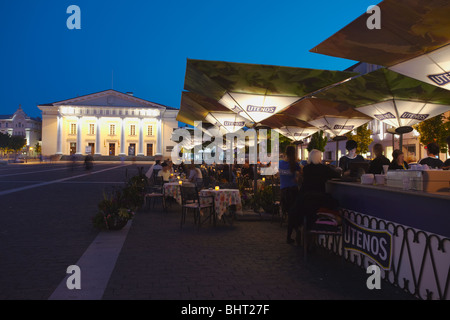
{"points": [[375, 244]]}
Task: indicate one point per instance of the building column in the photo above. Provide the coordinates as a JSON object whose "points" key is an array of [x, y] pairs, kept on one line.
{"points": [[122, 138], [141, 138], [159, 138], [97, 138], [27, 135], [59, 135], [78, 135]]}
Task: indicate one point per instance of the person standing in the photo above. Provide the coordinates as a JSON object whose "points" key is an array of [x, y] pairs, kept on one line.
{"points": [[350, 157], [376, 165], [289, 171]]}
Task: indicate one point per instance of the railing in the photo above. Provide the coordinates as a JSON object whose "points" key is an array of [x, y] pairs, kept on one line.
{"points": [[420, 260]]}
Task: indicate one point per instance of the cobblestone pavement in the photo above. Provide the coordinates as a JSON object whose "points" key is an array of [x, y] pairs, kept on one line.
{"points": [[48, 227], [248, 260]]}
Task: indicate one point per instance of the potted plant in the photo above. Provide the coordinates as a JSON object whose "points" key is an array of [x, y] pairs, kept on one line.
{"points": [[113, 212]]}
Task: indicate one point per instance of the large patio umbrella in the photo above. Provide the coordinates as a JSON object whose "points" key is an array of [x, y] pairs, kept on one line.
{"points": [[390, 97], [414, 40], [256, 92], [334, 118]]}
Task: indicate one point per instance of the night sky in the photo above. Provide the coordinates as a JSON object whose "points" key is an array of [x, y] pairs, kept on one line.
{"points": [[145, 44]]}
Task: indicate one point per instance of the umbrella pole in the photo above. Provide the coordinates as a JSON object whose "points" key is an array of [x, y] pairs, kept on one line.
{"points": [[337, 153]]}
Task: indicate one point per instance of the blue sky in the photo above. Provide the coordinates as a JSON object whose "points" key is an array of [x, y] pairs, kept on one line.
{"points": [[146, 43]]}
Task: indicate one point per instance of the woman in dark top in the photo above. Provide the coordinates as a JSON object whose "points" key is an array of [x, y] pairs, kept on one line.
{"points": [[376, 165], [398, 161], [351, 156], [289, 171], [312, 194]]}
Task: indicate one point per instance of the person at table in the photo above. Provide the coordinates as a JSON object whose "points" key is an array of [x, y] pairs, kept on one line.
{"points": [[194, 173], [376, 165], [446, 165], [289, 171], [312, 194], [164, 172], [398, 161], [350, 157], [432, 159]]}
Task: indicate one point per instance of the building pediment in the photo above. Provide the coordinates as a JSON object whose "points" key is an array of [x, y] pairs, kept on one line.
{"points": [[109, 98]]}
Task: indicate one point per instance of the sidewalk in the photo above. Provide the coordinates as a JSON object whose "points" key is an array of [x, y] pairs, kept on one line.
{"points": [[246, 261]]}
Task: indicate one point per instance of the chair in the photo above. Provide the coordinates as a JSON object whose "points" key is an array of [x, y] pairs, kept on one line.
{"points": [[314, 227], [156, 191], [199, 183], [191, 201], [276, 199]]}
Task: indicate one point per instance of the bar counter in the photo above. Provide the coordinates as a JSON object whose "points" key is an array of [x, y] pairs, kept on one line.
{"points": [[418, 209], [405, 232]]}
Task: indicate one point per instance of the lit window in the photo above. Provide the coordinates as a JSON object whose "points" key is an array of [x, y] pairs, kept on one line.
{"points": [[132, 130], [150, 130], [91, 128], [112, 129], [73, 128]]}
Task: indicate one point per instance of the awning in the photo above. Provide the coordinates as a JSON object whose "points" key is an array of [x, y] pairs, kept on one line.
{"points": [[414, 40]]}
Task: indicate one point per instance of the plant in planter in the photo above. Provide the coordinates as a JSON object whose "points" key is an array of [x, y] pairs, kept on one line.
{"points": [[114, 212], [263, 198]]}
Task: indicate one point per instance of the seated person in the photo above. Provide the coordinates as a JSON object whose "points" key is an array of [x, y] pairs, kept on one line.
{"points": [[398, 161], [432, 160], [164, 172], [376, 165], [350, 157], [194, 173]]}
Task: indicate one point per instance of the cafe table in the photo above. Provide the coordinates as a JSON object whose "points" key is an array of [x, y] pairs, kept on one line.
{"points": [[172, 189], [223, 198]]}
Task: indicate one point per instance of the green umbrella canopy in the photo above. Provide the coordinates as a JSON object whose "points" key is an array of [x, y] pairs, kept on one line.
{"points": [[195, 107], [390, 97], [256, 92], [214, 78], [409, 28]]}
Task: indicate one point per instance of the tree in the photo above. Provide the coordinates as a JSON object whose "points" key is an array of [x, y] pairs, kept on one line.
{"points": [[434, 130], [4, 138], [37, 148], [362, 137], [318, 141], [16, 143]]}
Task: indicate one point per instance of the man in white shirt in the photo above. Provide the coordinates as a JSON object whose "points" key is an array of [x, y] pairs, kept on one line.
{"points": [[194, 173]]}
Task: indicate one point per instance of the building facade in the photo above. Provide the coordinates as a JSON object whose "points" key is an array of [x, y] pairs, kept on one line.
{"points": [[19, 124], [107, 123]]}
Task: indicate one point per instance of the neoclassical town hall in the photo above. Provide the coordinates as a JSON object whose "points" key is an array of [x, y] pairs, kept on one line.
{"points": [[107, 123]]}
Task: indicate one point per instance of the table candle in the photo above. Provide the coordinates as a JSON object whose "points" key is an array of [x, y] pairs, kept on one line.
{"points": [[217, 187], [180, 182]]}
